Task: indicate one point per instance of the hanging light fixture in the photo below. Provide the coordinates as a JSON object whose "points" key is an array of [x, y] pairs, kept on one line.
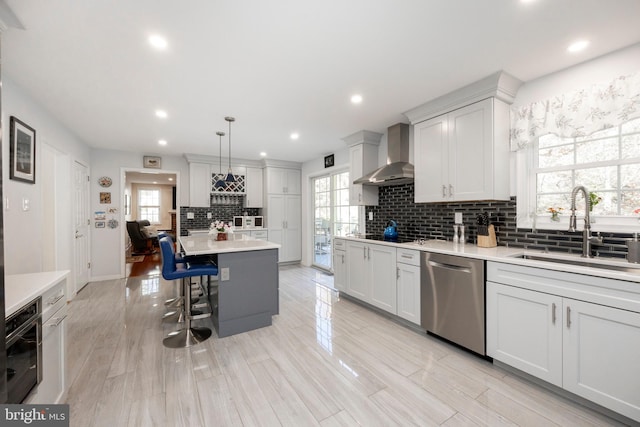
{"points": [[230, 177], [220, 182]]}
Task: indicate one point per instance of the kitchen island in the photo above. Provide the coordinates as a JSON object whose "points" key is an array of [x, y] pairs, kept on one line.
{"points": [[246, 297]]}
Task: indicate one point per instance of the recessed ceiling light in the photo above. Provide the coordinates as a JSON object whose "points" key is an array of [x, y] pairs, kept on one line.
{"points": [[162, 142], [158, 42], [170, 179], [161, 114], [295, 136], [263, 154], [155, 182], [356, 99], [578, 46]]}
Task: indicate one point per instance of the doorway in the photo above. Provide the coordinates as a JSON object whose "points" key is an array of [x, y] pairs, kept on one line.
{"points": [[333, 216], [153, 196]]}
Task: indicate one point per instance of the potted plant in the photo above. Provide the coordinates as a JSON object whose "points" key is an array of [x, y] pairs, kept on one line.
{"points": [[220, 229], [554, 213]]}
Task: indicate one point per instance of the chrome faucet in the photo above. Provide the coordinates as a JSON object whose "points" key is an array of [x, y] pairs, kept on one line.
{"points": [[587, 240]]}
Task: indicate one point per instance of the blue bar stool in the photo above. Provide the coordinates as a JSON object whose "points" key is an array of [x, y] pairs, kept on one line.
{"points": [[171, 270]]}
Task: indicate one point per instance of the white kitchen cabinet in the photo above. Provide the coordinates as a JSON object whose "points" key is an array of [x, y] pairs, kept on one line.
{"points": [[52, 388], [408, 284], [363, 158], [284, 222], [340, 264], [358, 283], [283, 180], [254, 188], [601, 349], [199, 185], [260, 234], [524, 330], [579, 332], [463, 155], [372, 274]]}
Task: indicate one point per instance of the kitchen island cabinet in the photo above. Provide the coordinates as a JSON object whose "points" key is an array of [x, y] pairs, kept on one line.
{"points": [[573, 331]]}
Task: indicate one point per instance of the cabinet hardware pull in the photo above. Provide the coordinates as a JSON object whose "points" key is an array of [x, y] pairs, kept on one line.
{"points": [[568, 317], [343, 258], [444, 191], [368, 253], [359, 197], [553, 313], [364, 251], [407, 256], [450, 190], [397, 272], [60, 319], [54, 300]]}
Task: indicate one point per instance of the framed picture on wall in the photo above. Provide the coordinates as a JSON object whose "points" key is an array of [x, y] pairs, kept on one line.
{"points": [[22, 152], [154, 162]]}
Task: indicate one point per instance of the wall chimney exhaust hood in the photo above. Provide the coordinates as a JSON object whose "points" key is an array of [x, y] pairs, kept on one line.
{"points": [[398, 170]]}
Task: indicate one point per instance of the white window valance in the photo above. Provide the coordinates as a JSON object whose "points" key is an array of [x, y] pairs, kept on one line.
{"points": [[577, 113]]}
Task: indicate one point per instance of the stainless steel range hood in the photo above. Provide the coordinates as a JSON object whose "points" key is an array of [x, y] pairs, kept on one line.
{"points": [[398, 170]]}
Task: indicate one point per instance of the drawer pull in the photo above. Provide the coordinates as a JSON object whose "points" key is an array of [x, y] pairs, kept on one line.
{"points": [[60, 319], [407, 256], [54, 300]]}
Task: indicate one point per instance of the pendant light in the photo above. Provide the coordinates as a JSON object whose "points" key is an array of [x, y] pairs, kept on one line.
{"points": [[220, 182], [230, 177]]}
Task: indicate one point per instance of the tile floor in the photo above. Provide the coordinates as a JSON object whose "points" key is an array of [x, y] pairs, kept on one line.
{"points": [[325, 361]]}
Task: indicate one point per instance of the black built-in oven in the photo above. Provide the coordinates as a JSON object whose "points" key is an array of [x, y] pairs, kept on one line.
{"points": [[24, 351]]}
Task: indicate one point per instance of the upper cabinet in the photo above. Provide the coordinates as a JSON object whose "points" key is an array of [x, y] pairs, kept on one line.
{"points": [[461, 151], [463, 155], [254, 188], [363, 158], [200, 185], [283, 180]]}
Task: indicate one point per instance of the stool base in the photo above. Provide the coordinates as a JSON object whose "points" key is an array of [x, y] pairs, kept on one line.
{"points": [[186, 337]]}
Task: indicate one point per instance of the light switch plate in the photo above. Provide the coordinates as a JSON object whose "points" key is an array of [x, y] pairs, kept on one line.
{"points": [[224, 274], [370, 215], [208, 215], [26, 204], [458, 217], [190, 215]]}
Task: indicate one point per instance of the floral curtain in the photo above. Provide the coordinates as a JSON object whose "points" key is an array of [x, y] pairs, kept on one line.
{"points": [[578, 113]]}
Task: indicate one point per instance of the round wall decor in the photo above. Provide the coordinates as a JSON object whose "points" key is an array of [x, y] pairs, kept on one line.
{"points": [[112, 223], [105, 181]]}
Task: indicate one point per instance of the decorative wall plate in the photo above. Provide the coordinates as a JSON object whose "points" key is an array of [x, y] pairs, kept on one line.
{"points": [[105, 181], [112, 223]]}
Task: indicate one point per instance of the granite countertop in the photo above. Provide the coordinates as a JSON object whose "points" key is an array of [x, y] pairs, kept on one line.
{"points": [[20, 289], [513, 256], [203, 244]]}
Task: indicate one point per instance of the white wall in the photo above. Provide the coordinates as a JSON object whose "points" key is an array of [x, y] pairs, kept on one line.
{"points": [[106, 243], [311, 169], [24, 230]]}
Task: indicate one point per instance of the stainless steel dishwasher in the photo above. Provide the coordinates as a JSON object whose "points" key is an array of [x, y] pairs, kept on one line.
{"points": [[452, 299]]}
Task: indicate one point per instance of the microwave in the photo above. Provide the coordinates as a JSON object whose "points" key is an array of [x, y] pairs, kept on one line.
{"points": [[248, 221]]}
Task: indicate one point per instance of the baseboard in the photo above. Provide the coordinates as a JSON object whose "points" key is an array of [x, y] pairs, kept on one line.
{"points": [[103, 278]]}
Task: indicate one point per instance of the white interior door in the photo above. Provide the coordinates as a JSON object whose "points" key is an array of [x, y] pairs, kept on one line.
{"points": [[81, 224]]}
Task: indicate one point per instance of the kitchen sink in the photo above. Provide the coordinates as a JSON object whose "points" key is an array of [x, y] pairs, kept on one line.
{"points": [[605, 264]]}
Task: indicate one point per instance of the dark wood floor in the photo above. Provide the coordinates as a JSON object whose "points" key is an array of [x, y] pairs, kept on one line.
{"points": [[149, 267]]}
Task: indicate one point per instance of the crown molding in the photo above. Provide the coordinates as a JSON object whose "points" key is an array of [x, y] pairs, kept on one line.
{"points": [[363, 137], [499, 85]]}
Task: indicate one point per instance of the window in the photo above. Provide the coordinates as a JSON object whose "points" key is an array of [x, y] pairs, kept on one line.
{"points": [[332, 214], [606, 163], [149, 205]]}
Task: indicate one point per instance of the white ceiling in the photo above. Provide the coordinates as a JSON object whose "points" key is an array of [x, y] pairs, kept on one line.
{"points": [[282, 66]]}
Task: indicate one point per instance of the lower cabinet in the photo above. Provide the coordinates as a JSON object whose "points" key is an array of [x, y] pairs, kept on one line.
{"points": [[52, 387], [372, 274], [339, 265], [408, 284], [381, 275], [587, 348]]}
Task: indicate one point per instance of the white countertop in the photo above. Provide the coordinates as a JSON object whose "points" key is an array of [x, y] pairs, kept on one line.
{"points": [[20, 289], [509, 255], [192, 231], [203, 244]]}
